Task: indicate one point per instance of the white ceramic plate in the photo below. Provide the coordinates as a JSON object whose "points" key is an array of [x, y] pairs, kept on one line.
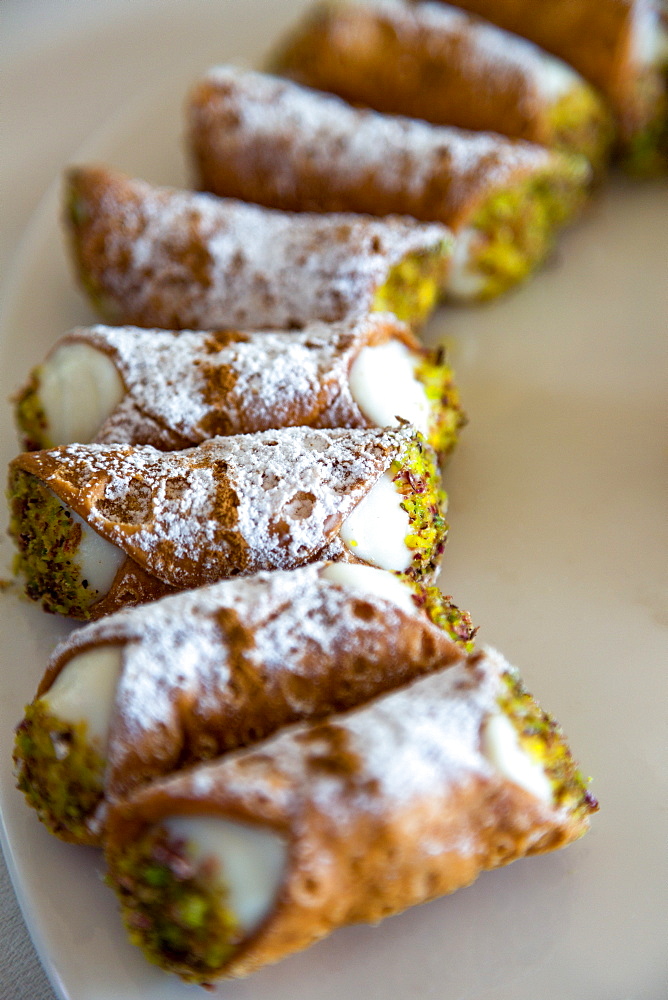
{"points": [[557, 548]]}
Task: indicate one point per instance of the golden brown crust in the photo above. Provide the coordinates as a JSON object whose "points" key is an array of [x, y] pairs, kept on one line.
{"points": [[124, 509], [259, 698]]}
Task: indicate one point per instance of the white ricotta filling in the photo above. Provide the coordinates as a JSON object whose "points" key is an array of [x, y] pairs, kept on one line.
{"points": [[85, 690], [372, 581], [98, 559], [501, 746], [79, 387], [383, 384], [375, 531], [464, 280], [252, 861], [556, 79]]}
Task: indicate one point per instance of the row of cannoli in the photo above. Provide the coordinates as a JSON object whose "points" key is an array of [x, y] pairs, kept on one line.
{"points": [[223, 867], [167, 257], [274, 142], [177, 483], [441, 765], [438, 63], [285, 166], [292, 732], [201, 673], [284, 236], [216, 507], [567, 75]]}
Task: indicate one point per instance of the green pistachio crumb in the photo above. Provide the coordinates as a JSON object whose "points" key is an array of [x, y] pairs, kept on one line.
{"points": [[47, 537], [580, 122], [175, 909], [59, 771], [542, 739], [448, 418], [413, 287], [517, 227], [416, 477], [441, 610], [30, 416]]}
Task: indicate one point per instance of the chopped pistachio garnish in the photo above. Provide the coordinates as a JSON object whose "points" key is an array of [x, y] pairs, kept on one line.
{"points": [[175, 909], [414, 286], [447, 416], [30, 416], [416, 477], [446, 615], [59, 770], [542, 739], [581, 123], [516, 228], [47, 538]]}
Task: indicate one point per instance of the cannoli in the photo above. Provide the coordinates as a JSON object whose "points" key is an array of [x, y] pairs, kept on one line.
{"points": [[236, 863], [273, 141], [620, 46], [147, 691], [178, 259], [435, 62], [176, 389], [98, 527]]}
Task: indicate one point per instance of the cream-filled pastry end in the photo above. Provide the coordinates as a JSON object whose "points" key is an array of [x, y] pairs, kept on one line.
{"points": [[501, 746], [250, 861], [384, 386], [377, 528], [78, 389], [85, 691]]}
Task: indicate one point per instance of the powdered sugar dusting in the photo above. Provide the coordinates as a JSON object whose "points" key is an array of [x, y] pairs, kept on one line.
{"points": [[407, 738], [287, 131], [412, 743], [183, 387]]}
